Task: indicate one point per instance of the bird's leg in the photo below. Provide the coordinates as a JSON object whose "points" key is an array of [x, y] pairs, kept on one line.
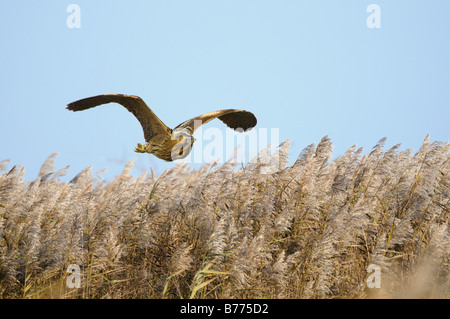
{"points": [[140, 148]]}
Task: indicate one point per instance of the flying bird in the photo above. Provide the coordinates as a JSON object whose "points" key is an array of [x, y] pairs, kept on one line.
{"points": [[163, 142]]}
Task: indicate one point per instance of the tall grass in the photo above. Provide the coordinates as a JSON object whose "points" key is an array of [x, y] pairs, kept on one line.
{"points": [[307, 230]]}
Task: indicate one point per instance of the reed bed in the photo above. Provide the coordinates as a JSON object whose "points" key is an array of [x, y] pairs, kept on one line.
{"points": [[309, 229]]}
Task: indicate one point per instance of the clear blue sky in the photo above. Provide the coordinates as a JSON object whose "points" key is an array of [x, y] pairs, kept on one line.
{"points": [[310, 68]]}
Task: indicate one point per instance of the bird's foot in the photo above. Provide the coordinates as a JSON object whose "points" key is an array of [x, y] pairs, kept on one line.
{"points": [[140, 148]]}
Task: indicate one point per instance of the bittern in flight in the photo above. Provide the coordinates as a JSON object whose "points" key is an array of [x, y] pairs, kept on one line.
{"points": [[161, 141]]}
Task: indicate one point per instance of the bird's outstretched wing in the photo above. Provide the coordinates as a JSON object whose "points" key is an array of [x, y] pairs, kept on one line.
{"points": [[234, 119], [150, 123]]}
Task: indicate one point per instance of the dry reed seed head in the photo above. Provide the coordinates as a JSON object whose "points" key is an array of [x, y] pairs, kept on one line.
{"points": [[182, 259], [217, 241], [4, 165], [323, 151], [305, 155], [48, 166], [279, 273]]}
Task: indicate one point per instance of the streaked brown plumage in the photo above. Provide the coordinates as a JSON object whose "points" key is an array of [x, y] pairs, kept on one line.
{"points": [[161, 141]]}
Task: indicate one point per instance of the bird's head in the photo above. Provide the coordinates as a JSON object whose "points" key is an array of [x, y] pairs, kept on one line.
{"points": [[182, 143]]}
